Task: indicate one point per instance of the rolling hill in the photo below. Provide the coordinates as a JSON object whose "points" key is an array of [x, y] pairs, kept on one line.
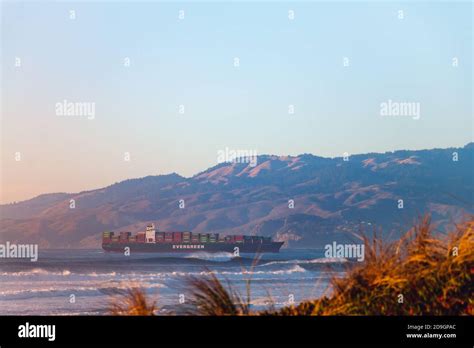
{"points": [[332, 199]]}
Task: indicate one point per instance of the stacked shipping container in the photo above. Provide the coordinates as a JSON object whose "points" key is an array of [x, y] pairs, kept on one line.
{"points": [[123, 238], [107, 237], [177, 237], [160, 237], [186, 237], [141, 237], [182, 237]]}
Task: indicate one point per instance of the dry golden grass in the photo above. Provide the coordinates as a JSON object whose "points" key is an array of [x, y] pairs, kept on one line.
{"points": [[417, 275], [132, 301], [210, 297]]}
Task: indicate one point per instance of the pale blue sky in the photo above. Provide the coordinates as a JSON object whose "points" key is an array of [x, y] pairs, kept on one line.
{"points": [[190, 62]]}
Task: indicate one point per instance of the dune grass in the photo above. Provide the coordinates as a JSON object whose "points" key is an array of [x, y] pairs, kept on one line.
{"points": [[132, 301], [419, 274], [210, 297]]}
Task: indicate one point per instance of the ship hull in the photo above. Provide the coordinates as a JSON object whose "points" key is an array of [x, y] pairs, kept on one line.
{"points": [[273, 247]]}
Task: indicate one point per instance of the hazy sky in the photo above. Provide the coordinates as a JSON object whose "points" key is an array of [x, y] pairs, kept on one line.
{"points": [[191, 62]]}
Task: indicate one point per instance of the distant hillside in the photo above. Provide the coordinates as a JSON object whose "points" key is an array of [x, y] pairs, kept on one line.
{"points": [[332, 198]]}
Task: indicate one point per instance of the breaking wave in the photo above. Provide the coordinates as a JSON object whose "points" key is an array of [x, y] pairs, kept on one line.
{"points": [[310, 261], [222, 256], [294, 269], [67, 290], [37, 272]]}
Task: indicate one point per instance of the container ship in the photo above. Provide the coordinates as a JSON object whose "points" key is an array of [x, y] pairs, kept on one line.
{"points": [[171, 242]]}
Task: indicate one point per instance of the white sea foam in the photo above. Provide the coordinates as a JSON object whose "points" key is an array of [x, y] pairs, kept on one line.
{"points": [[36, 272], [94, 274], [222, 256], [294, 269], [71, 288], [310, 261]]}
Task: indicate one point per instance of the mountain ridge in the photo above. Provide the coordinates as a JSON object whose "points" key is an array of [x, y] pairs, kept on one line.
{"points": [[331, 199]]}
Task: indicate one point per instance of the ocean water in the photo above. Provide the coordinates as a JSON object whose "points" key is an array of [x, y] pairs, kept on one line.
{"points": [[93, 277]]}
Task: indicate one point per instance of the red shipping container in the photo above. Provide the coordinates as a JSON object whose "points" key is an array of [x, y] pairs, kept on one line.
{"points": [[160, 237], [141, 237], [168, 237], [177, 237]]}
